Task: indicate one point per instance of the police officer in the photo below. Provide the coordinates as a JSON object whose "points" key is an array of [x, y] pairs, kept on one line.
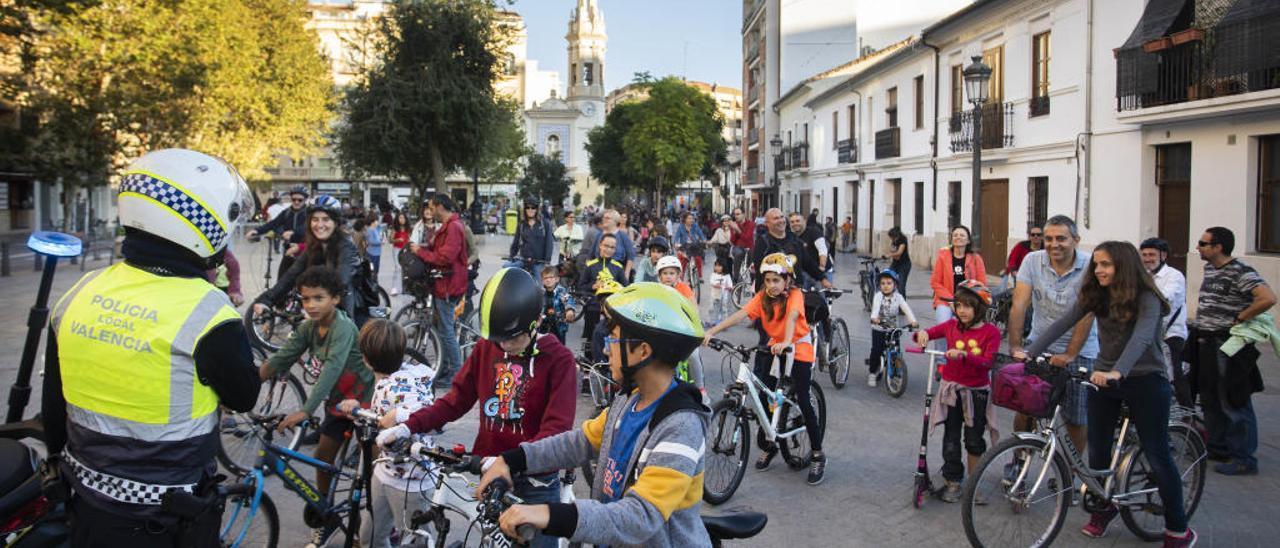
{"points": [[142, 353]]}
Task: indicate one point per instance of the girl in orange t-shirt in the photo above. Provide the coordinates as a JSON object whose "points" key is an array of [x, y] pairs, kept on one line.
{"points": [[780, 308]]}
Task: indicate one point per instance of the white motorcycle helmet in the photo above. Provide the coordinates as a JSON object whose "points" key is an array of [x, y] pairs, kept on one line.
{"points": [[186, 197]]}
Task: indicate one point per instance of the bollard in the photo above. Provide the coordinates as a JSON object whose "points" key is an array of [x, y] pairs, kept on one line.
{"points": [[4, 258]]}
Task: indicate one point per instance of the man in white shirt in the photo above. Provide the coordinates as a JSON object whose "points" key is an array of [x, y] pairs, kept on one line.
{"points": [[1173, 285]]}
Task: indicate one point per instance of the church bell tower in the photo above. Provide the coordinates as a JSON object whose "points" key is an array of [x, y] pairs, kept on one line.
{"points": [[587, 44]]}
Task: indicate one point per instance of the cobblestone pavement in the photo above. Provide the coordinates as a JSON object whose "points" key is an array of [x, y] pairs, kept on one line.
{"points": [[871, 442]]}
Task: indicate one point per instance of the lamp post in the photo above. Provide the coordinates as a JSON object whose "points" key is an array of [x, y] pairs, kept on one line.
{"points": [[976, 76]]}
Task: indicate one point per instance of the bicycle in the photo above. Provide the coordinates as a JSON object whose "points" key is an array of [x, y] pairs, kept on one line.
{"points": [[273, 326], [329, 514], [238, 437], [892, 365], [692, 255], [867, 284], [453, 494], [728, 437], [835, 354], [419, 318], [1033, 474]]}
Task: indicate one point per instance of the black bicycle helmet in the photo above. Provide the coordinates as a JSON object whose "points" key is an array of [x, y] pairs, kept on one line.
{"points": [[1155, 243], [511, 304], [658, 242]]}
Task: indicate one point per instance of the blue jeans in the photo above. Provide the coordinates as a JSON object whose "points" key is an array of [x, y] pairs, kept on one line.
{"points": [[1148, 398], [450, 355], [547, 491], [941, 314], [531, 266]]}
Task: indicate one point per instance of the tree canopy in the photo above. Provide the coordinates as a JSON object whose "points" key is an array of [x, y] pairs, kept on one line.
{"points": [[653, 145], [545, 179], [425, 106], [104, 83]]}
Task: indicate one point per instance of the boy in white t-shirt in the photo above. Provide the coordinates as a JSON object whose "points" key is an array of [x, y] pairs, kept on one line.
{"points": [[402, 388], [886, 306]]}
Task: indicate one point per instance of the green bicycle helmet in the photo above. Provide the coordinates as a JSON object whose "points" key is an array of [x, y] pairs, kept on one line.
{"points": [[658, 315], [510, 305]]}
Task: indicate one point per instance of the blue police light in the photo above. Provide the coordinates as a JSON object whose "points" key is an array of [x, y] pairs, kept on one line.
{"points": [[54, 244]]}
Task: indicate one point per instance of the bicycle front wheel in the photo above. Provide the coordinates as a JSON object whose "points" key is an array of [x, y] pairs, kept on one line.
{"points": [[1144, 514], [728, 446], [238, 438], [268, 330], [1019, 496], [245, 524], [839, 353], [419, 336]]}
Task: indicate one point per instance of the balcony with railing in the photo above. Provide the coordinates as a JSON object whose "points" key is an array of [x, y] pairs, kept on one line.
{"points": [[888, 143], [753, 93], [753, 136], [997, 128], [1227, 48], [800, 156], [753, 50], [749, 10], [846, 151]]}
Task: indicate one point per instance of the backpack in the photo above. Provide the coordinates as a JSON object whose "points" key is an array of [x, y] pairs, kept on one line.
{"points": [[411, 264], [367, 286], [1015, 388]]}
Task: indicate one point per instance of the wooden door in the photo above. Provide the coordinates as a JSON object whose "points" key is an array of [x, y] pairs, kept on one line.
{"points": [[1173, 178], [995, 224]]}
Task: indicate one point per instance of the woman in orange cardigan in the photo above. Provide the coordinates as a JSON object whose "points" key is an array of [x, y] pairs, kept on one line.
{"points": [[954, 264]]}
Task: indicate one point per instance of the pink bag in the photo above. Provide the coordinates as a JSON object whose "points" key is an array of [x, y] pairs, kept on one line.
{"points": [[1016, 389]]}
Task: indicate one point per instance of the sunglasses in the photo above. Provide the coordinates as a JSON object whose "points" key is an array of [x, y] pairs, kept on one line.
{"points": [[1036, 235], [610, 341], [297, 200], [1203, 243]]}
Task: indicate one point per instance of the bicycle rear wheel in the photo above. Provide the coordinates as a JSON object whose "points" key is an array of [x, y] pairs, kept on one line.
{"points": [[742, 293], [839, 353], [797, 450], [238, 438], [728, 446], [245, 524], [1145, 515], [999, 506], [895, 380]]}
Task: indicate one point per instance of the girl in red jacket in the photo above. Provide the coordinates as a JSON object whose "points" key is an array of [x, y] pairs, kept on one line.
{"points": [[965, 390]]}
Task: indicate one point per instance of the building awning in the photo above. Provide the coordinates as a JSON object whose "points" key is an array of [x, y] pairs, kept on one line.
{"points": [[1159, 19]]}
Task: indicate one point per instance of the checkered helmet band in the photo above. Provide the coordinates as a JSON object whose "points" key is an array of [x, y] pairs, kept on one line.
{"points": [[179, 201]]}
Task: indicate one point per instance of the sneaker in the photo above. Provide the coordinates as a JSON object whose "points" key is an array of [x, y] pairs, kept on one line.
{"points": [[766, 458], [1099, 522], [317, 538], [817, 468], [1187, 540], [871, 379], [1236, 468], [950, 492]]}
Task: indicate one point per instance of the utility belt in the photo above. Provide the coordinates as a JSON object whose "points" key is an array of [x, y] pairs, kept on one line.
{"points": [[120, 489]]}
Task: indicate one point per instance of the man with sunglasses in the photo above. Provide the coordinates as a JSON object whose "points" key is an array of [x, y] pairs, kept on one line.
{"points": [[291, 224], [534, 241], [1231, 295]]}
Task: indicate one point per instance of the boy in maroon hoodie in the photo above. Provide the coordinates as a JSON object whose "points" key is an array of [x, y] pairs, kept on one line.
{"points": [[525, 384]]}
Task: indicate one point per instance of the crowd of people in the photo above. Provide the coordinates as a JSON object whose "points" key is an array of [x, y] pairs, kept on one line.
{"points": [[1118, 311]]}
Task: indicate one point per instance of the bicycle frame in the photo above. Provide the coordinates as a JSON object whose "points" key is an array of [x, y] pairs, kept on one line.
{"points": [[753, 387], [892, 348]]}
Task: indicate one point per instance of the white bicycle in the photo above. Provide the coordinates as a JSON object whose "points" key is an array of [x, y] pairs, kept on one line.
{"points": [[728, 437]]}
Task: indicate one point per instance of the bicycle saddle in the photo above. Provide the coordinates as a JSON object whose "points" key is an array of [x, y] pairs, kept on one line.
{"points": [[735, 525]]}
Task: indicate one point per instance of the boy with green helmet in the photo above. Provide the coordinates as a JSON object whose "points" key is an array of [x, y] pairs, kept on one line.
{"points": [[649, 442]]}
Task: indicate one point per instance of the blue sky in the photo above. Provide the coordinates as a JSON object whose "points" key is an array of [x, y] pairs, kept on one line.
{"points": [[652, 35]]}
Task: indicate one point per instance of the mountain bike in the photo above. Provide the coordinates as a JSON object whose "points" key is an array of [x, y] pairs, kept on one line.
{"points": [[867, 285], [728, 436], [251, 509], [833, 351], [1021, 491]]}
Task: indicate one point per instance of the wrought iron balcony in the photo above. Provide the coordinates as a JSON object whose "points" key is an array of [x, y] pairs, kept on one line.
{"points": [[753, 136], [846, 151], [1038, 106], [800, 156], [997, 128], [1233, 55], [888, 143]]}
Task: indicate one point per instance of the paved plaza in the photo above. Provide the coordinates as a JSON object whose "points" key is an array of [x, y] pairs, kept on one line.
{"points": [[871, 440]]}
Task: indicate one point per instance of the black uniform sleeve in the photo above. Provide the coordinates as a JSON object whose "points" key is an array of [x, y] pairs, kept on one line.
{"points": [[53, 406], [224, 363]]}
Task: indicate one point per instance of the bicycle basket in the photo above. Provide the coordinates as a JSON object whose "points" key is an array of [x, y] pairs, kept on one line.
{"points": [[1019, 388]]}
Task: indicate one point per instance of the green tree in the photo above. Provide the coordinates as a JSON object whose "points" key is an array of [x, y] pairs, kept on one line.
{"points": [[425, 106], [606, 156], [241, 79], [504, 147], [672, 140], [545, 178]]}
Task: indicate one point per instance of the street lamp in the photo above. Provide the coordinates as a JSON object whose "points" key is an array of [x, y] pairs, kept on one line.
{"points": [[976, 76], [775, 150]]}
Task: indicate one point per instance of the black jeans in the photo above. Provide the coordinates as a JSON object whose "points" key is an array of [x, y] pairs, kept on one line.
{"points": [[975, 442], [1148, 399], [877, 350], [1181, 384], [801, 373], [903, 271]]}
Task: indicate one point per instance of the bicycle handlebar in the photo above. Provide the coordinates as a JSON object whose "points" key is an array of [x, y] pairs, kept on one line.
{"points": [[721, 345], [922, 350]]}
